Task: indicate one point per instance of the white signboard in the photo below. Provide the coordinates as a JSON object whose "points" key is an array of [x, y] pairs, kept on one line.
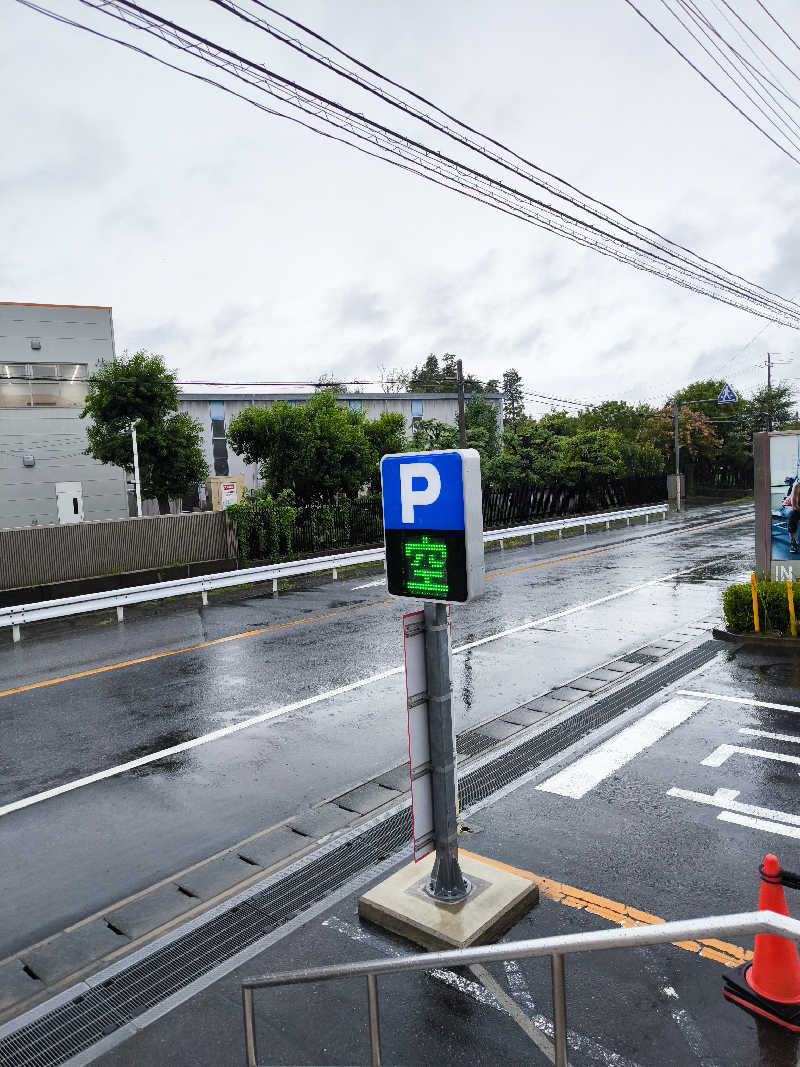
{"points": [[419, 752], [227, 494]]}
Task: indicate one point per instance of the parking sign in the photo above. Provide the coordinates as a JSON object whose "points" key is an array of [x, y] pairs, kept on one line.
{"points": [[433, 524]]}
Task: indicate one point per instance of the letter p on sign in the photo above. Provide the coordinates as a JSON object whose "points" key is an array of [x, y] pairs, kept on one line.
{"points": [[411, 497]]}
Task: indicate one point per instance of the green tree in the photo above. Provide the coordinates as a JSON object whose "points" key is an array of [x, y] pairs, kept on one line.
{"points": [[617, 415], [773, 406], [696, 436], [514, 400], [140, 388], [433, 377], [431, 434], [318, 449], [386, 435], [590, 456], [483, 433]]}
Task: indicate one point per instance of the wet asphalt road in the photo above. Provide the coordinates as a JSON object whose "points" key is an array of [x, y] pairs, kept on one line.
{"points": [[625, 842], [70, 855]]}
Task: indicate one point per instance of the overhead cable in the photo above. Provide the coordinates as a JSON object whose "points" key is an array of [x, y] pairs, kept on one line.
{"points": [[708, 81], [466, 180]]}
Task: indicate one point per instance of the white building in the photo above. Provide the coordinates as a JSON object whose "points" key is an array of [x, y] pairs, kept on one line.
{"points": [[214, 409], [47, 351]]}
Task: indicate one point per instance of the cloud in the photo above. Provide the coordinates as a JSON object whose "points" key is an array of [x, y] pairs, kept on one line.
{"points": [[67, 154], [360, 306]]}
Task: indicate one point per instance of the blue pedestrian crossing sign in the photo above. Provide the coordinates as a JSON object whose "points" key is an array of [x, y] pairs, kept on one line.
{"points": [[433, 524], [727, 396]]}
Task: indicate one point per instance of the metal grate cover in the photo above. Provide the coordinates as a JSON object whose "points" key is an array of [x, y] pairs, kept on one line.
{"points": [[80, 1023]]}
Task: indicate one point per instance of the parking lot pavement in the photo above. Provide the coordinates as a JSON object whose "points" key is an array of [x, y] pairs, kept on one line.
{"points": [[667, 817]]}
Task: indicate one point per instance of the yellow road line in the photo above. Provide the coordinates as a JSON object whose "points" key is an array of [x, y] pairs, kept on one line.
{"points": [[188, 648], [550, 562], [622, 914]]}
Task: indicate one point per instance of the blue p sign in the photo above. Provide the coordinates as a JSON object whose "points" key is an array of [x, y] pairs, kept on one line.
{"points": [[433, 524]]}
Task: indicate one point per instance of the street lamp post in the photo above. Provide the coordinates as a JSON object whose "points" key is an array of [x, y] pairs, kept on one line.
{"points": [[136, 471]]}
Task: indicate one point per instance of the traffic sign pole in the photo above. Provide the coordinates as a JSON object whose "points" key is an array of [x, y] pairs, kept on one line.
{"points": [[447, 883]]}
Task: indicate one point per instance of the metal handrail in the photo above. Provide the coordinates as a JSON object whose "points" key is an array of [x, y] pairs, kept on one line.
{"points": [[18, 615], [744, 923]]}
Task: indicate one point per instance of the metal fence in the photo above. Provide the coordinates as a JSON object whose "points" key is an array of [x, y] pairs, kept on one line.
{"points": [[744, 923], [41, 555]]}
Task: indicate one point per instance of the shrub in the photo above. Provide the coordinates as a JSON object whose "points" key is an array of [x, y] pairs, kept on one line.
{"points": [[773, 607], [264, 525]]}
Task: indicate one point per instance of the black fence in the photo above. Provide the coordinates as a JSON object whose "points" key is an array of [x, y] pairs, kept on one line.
{"points": [[350, 524], [518, 507], [319, 528]]}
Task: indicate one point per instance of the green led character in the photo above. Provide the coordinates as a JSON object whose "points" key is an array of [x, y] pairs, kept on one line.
{"points": [[426, 562]]}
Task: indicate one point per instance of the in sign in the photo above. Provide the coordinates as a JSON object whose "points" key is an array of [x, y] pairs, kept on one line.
{"points": [[433, 524]]}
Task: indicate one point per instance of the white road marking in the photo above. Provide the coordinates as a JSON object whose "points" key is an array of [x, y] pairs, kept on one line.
{"points": [[585, 773], [726, 800], [456, 981], [760, 824], [255, 720], [766, 733], [740, 700], [483, 995], [578, 1043], [543, 1043], [724, 752], [370, 585]]}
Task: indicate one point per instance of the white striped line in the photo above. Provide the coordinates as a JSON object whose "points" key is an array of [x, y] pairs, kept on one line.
{"points": [[740, 700], [724, 752], [760, 824], [793, 738], [585, 773]]}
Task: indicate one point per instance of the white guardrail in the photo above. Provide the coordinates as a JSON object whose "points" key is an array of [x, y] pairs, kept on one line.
{"points": [[20, 614]]}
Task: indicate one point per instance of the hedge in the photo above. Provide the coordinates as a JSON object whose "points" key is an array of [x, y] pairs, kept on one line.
{"points": [[773, 607]]}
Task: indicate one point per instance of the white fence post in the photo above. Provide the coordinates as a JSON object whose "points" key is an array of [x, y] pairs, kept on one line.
{"points": [[120, 613], [15, 633]]}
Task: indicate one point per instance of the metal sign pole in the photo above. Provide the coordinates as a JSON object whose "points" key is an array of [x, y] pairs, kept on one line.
{"points": [[447, 883]]}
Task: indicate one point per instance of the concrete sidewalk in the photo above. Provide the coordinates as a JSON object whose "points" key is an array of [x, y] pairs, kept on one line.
{"points": [[628, 852]]}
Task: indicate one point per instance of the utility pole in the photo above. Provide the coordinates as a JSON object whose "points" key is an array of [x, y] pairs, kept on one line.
{"points": [[462, 425], [136, 471], [769, 392], [675, 410]]}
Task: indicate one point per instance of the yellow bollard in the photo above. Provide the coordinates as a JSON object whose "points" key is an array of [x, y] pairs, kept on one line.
{"points": [[790, 597], [755, 603]]}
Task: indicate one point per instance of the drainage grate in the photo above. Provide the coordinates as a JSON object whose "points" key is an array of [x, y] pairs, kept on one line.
{"points": [[78, 1024], [473, 743]]}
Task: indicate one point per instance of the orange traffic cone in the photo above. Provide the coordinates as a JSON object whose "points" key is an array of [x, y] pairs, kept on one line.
{"points": [[770, 985]]}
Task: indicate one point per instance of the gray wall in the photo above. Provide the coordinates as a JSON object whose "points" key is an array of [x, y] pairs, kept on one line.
{"points": [[441, 406], [47, 554], [53, 434]]}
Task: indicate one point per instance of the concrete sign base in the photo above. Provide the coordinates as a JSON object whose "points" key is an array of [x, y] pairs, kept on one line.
{"points": [[498, 901]]}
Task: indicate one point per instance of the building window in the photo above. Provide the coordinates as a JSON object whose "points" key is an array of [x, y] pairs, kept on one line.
{"points": [[219, 445], [416, 409], [354, 405], [35, 385]]}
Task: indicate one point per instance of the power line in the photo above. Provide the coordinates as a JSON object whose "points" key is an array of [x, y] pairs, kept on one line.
{"points": [[708, 80], [785, 32], [503, 159], [466, 180], [742, 67]]}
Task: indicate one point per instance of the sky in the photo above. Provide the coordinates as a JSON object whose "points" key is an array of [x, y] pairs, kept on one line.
{"points": [[242, 247]]}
